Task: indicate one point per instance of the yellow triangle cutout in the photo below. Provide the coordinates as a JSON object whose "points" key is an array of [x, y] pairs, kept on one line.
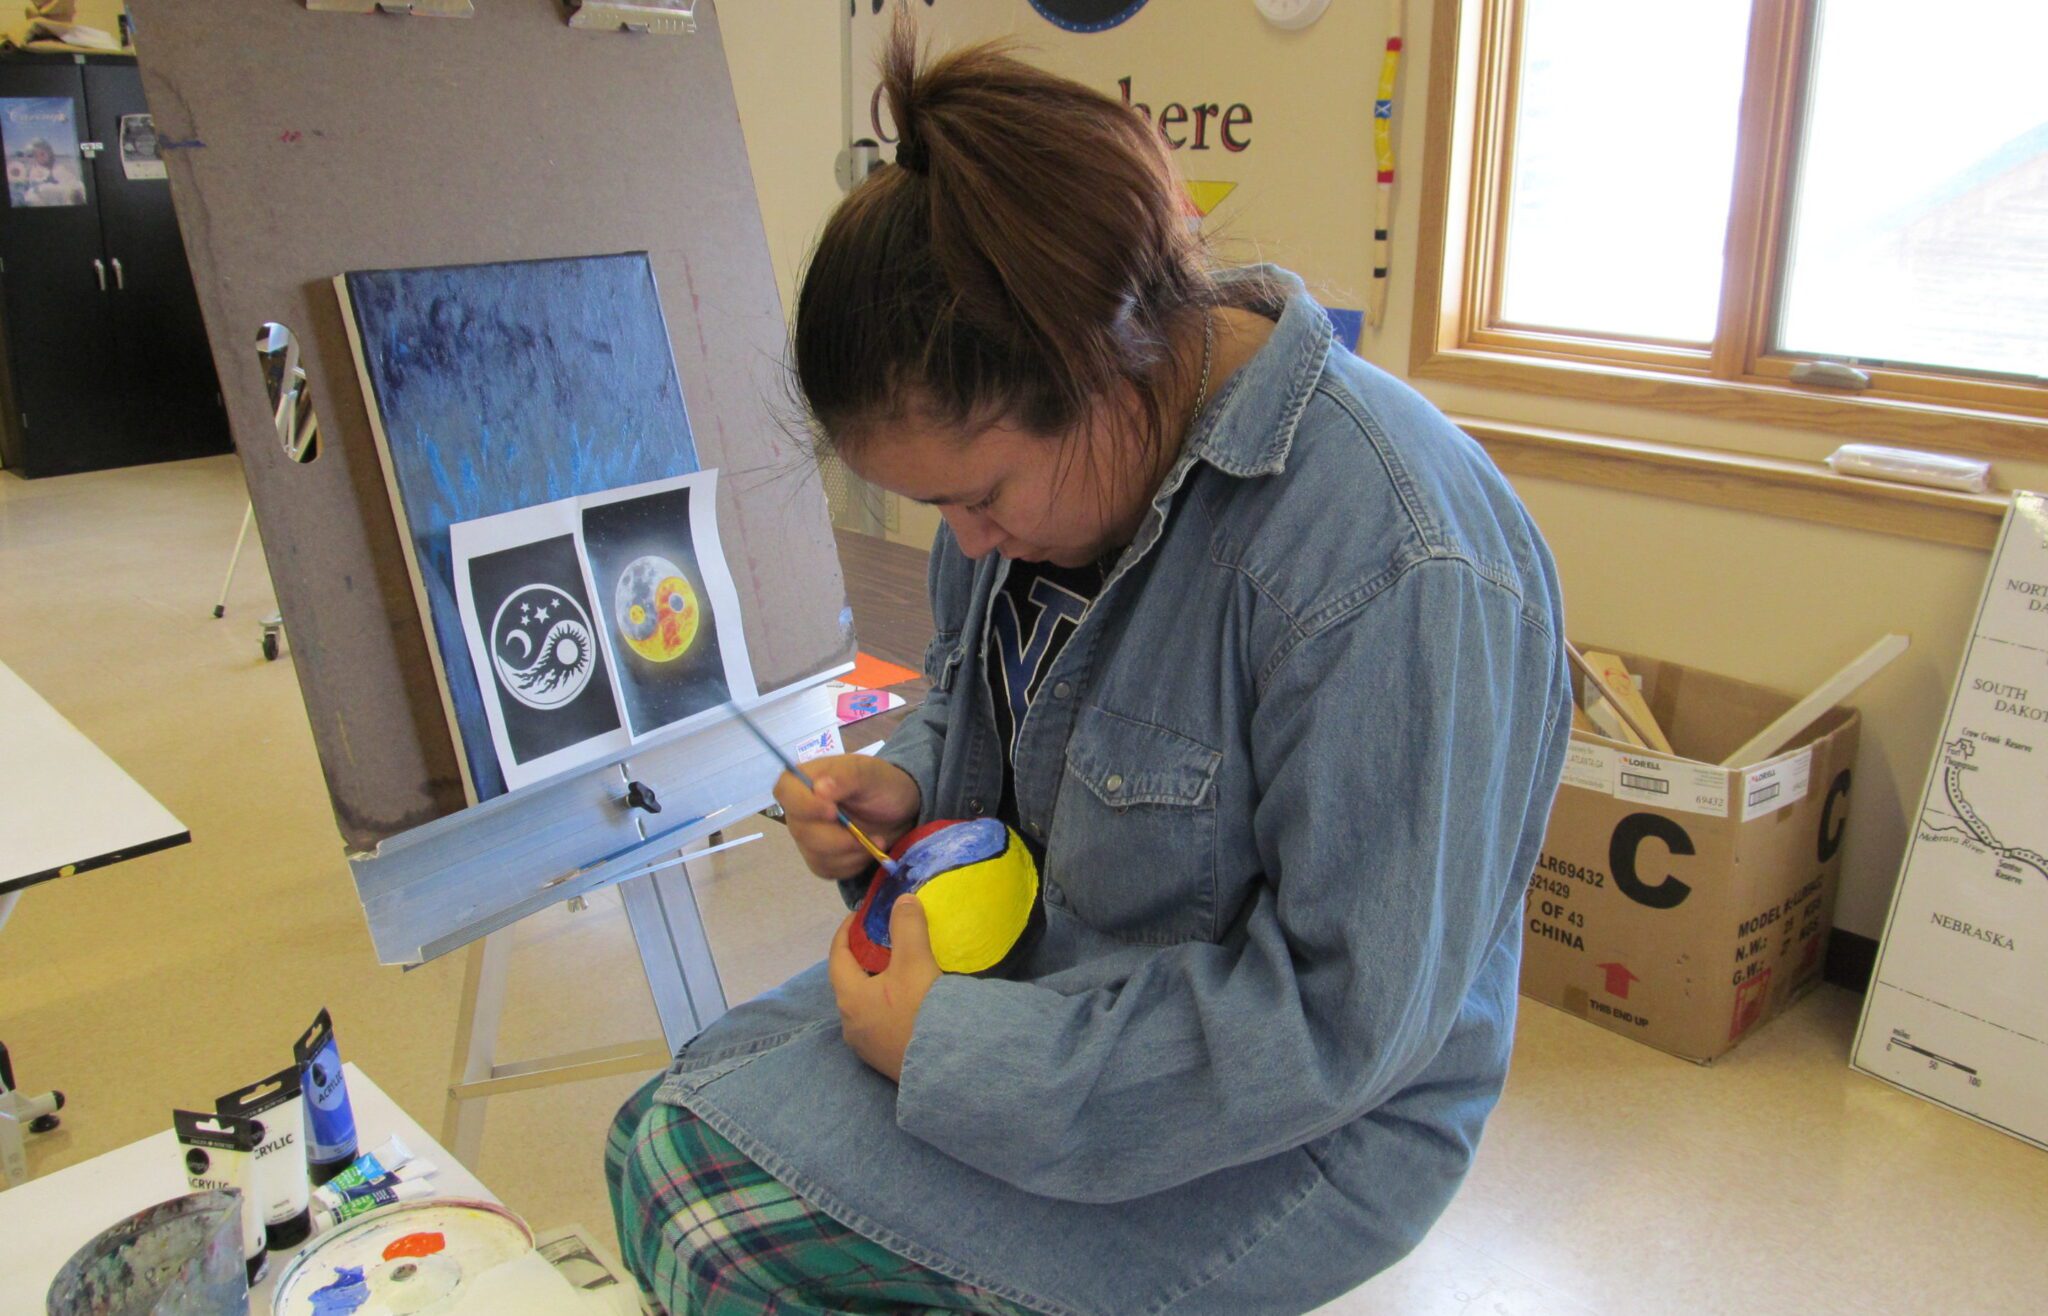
{"points": [[1208, 194]]}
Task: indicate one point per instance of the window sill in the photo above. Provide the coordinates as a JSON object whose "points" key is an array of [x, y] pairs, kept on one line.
{"points": [[1806, 491], [1855, 417]]}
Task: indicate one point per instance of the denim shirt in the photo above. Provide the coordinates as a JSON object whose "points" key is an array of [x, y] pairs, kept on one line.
{"points": [[1289, 777]]}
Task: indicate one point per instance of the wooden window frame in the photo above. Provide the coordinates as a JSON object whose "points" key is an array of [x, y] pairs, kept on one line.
{"points": [[1473, 54]]}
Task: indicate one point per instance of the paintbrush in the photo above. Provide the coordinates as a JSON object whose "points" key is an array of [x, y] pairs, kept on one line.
{"points": [[789, 764]]}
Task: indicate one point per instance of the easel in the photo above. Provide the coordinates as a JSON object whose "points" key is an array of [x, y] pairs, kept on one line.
{"points": [[662, 912], [301, 144]]}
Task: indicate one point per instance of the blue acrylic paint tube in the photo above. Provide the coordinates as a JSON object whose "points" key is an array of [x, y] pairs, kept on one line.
{"points": [[220, 1152], [330, 1123], [370, 1166]]}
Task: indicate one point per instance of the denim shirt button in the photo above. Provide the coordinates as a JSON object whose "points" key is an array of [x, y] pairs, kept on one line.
{"points": [[1113, 783], [974, 806], [1061, 690]]}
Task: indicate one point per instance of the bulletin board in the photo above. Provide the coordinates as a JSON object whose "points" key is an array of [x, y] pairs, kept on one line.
{"points": [[303, 144]]}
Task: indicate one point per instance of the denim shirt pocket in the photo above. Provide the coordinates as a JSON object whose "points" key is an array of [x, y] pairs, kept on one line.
{"points": [[1133, 844]]}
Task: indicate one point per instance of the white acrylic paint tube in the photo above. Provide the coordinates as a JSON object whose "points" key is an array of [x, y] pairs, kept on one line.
{"points": [[220, 1152], [362, 1203], [280, 1177], [371, 1166], [329, 1196]]}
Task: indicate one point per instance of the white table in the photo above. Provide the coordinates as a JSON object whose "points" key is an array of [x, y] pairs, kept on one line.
{"points": [[64, 805], [45, 1220]]}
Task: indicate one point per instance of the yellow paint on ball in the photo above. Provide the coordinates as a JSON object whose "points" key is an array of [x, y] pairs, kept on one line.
{"points": [[977, 912]]}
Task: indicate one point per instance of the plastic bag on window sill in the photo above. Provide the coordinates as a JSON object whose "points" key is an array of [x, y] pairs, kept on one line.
{"points": [[1935, 470]]}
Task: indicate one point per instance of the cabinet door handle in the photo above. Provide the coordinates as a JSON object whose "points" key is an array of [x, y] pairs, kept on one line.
{"points": [[99, 267], [120, 280]]}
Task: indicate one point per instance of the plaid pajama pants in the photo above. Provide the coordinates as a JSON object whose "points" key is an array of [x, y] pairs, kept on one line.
{"points": [[705, 1230]]}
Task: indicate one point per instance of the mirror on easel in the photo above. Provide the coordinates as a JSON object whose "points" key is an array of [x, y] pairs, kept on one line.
{"points": [[291, 402]]}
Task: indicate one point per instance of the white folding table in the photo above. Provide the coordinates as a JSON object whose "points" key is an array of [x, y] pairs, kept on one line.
{"points": [[64, 807]]}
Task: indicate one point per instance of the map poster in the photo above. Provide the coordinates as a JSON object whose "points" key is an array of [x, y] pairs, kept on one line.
{"points": [[1958, 1006]]}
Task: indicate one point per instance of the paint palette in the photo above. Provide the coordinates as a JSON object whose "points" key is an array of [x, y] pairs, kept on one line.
{"points": [[418, 1259]]}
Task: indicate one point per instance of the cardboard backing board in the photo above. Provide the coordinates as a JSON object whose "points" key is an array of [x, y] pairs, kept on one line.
{"points": [[301, 145]]}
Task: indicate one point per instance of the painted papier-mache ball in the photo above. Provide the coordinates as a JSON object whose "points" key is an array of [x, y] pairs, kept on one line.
{"points": [[979, 888]]}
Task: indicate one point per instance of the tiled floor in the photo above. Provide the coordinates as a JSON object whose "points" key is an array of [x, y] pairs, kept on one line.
{"points": [[1613, 1179]]}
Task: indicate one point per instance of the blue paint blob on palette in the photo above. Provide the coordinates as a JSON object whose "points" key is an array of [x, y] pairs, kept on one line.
{"points": [[498, 387], [348, 1292]]}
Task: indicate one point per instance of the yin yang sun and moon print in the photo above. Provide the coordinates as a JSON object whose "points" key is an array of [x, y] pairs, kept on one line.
{"points": [[555, 691], [643, 562]]}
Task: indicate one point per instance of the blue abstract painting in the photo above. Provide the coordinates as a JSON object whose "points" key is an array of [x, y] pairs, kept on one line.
{"points": [[500, 387]]}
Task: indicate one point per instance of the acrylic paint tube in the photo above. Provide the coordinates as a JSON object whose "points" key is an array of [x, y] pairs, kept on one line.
{"points": [[329, 1196], [280, 1177], [330, 1123], [220, 1152], [364, 1202], [371, 1166]]}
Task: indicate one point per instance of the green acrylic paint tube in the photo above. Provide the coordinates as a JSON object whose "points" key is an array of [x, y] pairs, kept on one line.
{"points": [[327, 1195], [280, 1177], [371, 1166], [362, 1203], [220, 1152]]}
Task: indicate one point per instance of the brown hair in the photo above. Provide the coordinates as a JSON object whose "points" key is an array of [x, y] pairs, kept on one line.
{"points": [[1025, 256]]}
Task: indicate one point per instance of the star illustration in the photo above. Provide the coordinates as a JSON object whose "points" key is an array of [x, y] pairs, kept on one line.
{"points": [[540, 614]]}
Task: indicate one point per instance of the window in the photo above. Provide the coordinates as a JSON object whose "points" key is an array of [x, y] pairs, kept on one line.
{"points": [[1827, 214]]}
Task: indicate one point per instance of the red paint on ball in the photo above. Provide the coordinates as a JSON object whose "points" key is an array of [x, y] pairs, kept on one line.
{"points": [[866, 953], [416, 1245]]}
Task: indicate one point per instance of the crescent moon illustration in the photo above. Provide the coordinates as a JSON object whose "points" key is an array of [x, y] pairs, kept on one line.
{"points": [[524, 639]]}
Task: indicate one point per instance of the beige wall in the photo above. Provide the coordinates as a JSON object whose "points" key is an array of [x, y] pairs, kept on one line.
{"points": [[1775, 601]]}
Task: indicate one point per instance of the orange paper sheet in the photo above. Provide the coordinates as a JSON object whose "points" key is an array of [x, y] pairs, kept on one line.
{"points": [[871, 673]]}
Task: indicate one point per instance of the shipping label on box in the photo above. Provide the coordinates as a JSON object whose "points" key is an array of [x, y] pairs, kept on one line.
{"points": [[1680, 902]]}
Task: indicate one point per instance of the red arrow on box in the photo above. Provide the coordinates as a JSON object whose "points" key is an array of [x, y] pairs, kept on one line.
{"points": [[1618, 979]]}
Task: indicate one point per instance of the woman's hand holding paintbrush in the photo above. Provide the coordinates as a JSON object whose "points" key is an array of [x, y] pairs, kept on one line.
{"points": [[815, 803], [878, 797]]}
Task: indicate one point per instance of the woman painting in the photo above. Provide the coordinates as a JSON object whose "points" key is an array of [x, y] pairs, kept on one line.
{"points": [[1261, 657]]}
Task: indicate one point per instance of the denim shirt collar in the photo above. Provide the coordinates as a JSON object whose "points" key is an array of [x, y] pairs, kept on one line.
{"points": [[1249, 429]]}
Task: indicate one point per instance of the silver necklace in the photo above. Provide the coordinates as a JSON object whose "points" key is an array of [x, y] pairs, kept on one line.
{"points": [[1208, 355]]}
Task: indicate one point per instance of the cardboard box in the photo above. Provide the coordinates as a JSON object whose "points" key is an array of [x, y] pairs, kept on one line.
{"points": [[1679, 902]]}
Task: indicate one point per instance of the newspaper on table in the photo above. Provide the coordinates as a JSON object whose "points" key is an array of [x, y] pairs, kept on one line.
{"points": [[592, 1270]]}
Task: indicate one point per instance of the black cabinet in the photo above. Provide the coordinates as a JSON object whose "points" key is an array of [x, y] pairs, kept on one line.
{"points": [[103, 355]]}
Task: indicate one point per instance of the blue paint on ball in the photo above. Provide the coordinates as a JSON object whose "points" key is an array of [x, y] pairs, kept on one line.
{"points": [[941, 852]]}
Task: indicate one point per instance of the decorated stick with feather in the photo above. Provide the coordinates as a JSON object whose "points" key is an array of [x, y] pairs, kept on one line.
{"points": [[1383, 151]]}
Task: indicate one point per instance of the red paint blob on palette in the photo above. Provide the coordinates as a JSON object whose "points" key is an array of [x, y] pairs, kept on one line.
{"points": [[415, 1245]]}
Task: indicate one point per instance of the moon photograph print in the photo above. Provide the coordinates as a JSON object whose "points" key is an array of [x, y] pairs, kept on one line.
{"points": [[656, 609], [644, 559], [553, 690]]}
